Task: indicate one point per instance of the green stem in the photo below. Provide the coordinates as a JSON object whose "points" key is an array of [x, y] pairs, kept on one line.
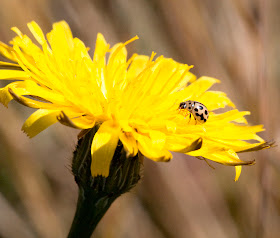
{"points": [[90, 209], [96, 194]]}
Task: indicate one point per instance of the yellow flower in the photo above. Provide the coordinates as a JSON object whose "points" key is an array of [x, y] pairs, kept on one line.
{"points": [[134, 101]]}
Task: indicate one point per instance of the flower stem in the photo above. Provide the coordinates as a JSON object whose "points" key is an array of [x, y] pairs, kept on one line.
{"points": [[96, 194], [90, 209]]}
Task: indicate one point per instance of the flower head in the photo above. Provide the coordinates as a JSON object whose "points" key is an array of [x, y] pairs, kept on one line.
{"points": [[135, 101]]}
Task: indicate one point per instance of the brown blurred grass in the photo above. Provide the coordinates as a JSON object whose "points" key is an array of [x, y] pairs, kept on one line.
{"points": [[236, 41]]}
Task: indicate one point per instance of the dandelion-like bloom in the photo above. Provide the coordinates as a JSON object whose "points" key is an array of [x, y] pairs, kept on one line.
{"points": [[135, 101]]}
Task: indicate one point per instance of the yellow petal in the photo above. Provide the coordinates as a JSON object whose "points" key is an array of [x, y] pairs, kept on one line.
{"points": [[138, 64], [231, 131], [101, 48], [37, 32], [34, 89], [215, 99], [17, 87], [13, 74], [29, 87], [116, 63], [5, 96], [129, 144], [171, 77], [158, 138], [39, 121], [162, 72], [150, 149], [61, 39], [7, 52], [99, 60], [30, 102], [27, 63], [17, 31], [78, 121], [232, 115], [195, 90], [183, 144], [81, 51], [227, 157], [187, 77], [103, 148], [258, 146], [237, 172], [6, 65], [27, 46], [237, 145]]}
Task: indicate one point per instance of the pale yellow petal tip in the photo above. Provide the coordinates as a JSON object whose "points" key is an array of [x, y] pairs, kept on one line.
{"points": [[131, 40], [135, 38], [102, 43], [17, 31], [152, 56], [5, 97], [62, 23], [239, 167], [231, 104], [167, 157], [27, 132], [37, 32], [237, 172], [211, 79], [190, 66], [100, 35], [32, 23], [262, 146]]}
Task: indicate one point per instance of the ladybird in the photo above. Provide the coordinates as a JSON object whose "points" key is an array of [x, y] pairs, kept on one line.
{"points": [[197, 109]]}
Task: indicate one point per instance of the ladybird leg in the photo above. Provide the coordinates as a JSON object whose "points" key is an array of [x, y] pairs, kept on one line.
{"points": [[187, 113], [179, 110]]}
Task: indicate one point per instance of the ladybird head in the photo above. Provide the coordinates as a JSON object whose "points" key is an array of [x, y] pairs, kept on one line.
{"points": [[182, 105]]}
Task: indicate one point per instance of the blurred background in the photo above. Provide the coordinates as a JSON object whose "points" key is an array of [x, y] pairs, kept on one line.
{"points": [[236, 41]]}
